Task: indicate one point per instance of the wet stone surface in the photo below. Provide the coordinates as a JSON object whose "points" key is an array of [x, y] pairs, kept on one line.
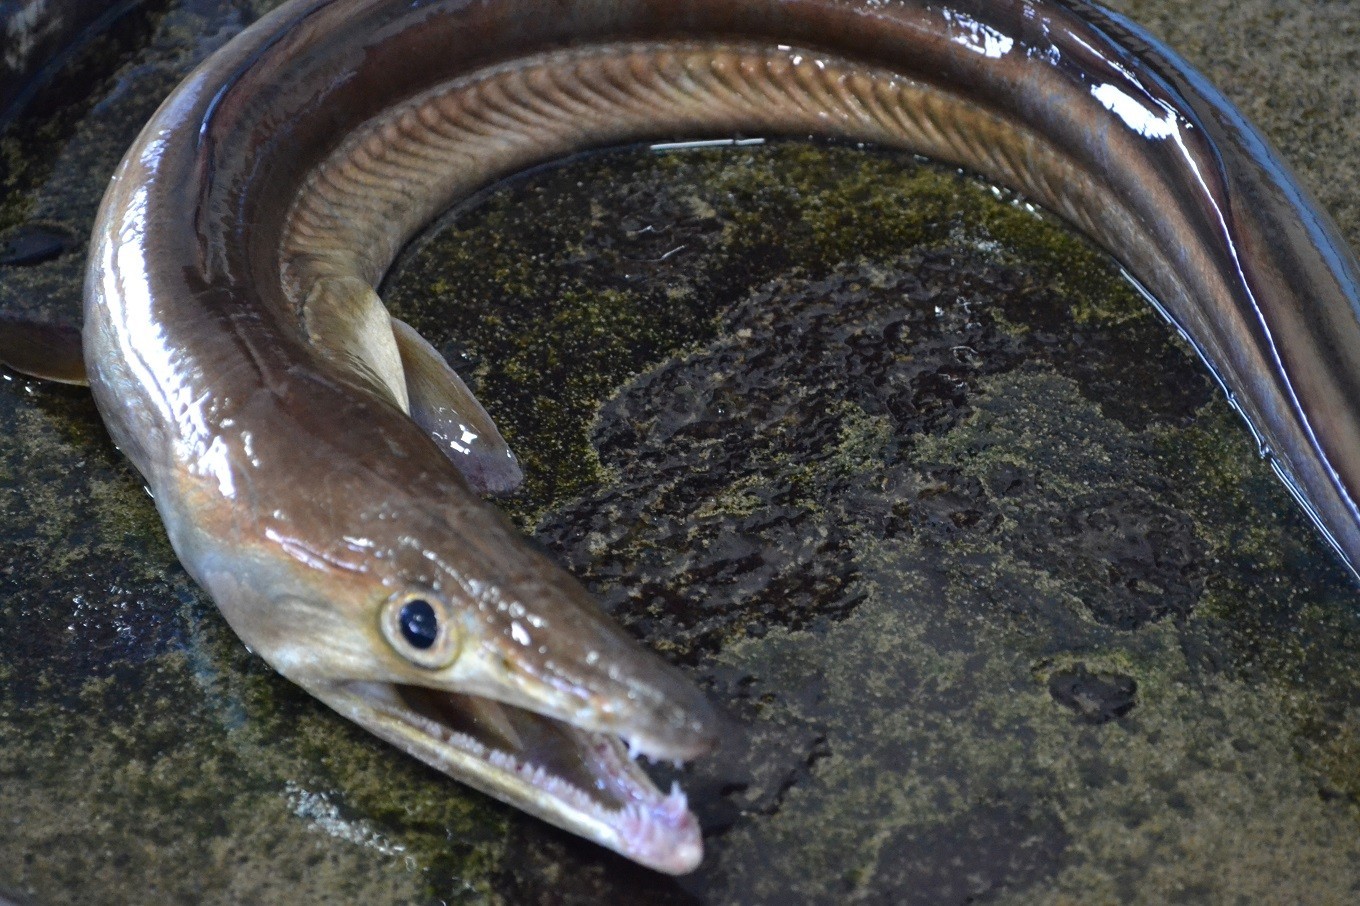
{"points": [[1096, 698], [1000, 602]]}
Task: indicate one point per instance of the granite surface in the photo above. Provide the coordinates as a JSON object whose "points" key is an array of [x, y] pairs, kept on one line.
{"points": [[899, 470]]}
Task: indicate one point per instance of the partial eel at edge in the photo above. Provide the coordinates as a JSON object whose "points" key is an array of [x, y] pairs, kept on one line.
{"points": [[303, 447]]}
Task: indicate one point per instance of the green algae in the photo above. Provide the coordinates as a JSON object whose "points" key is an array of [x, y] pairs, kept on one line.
{"points": [[1205, 772], [58, 106], [111, 767]]}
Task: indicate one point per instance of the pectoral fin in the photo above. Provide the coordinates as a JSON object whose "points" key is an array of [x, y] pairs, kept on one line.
{"points": [[50, 352], [348, 323], [442, 404]]}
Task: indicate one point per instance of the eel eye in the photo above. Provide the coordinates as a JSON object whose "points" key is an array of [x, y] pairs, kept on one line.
{"points": [[419, 625], [421, 629]]}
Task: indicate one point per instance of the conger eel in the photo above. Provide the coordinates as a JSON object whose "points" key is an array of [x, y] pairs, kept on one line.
{"points": [[317, 464]]}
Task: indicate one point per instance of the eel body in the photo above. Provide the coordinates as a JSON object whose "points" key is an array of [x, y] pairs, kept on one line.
{"points": [[316, 464]]}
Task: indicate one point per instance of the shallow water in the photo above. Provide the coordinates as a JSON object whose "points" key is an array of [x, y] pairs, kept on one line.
{"points": [[901, 472]]}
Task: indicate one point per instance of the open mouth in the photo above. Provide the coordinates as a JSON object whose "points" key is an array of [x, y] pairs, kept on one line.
{"points": [[584, 781]]}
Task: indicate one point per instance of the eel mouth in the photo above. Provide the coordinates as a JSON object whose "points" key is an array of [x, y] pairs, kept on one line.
{"points": [[584, 781]]}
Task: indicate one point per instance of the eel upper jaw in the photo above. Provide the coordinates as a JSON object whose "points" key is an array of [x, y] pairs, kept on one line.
{"points": [[580, 779]]}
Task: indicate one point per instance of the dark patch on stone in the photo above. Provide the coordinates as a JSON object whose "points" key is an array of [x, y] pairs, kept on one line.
{"points": [[789, 478], [46, 111], [553, 868], [754, 775], [986, 852], [1141, 558], [112, 620], [649, 240], [1161, 386], [758, 759], [1097, 698], [34, 243]]}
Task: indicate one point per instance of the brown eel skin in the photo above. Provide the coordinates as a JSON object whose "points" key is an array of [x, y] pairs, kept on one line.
{"points": [[317, 465]]}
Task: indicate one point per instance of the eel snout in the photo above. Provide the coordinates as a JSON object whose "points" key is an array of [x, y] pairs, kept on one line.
{"points": [[568, 659], [560, 743]]}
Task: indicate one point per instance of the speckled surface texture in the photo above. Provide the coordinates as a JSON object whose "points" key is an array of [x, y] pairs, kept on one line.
{"points": [[900, 472]]}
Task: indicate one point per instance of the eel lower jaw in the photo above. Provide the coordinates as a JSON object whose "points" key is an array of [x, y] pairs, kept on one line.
{"points": [[578, 779]]}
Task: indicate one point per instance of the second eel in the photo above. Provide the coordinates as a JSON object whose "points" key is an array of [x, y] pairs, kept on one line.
{"points": [[317, 465]]}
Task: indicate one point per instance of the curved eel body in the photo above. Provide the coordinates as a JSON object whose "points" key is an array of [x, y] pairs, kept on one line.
{"points": [[306, 452]]}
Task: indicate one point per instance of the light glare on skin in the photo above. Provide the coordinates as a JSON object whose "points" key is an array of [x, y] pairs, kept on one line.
{"points": [[1138, 117], [977, 37]]}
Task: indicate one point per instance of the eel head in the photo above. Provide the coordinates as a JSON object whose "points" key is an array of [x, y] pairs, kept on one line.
{"points": [[455, 641]]}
